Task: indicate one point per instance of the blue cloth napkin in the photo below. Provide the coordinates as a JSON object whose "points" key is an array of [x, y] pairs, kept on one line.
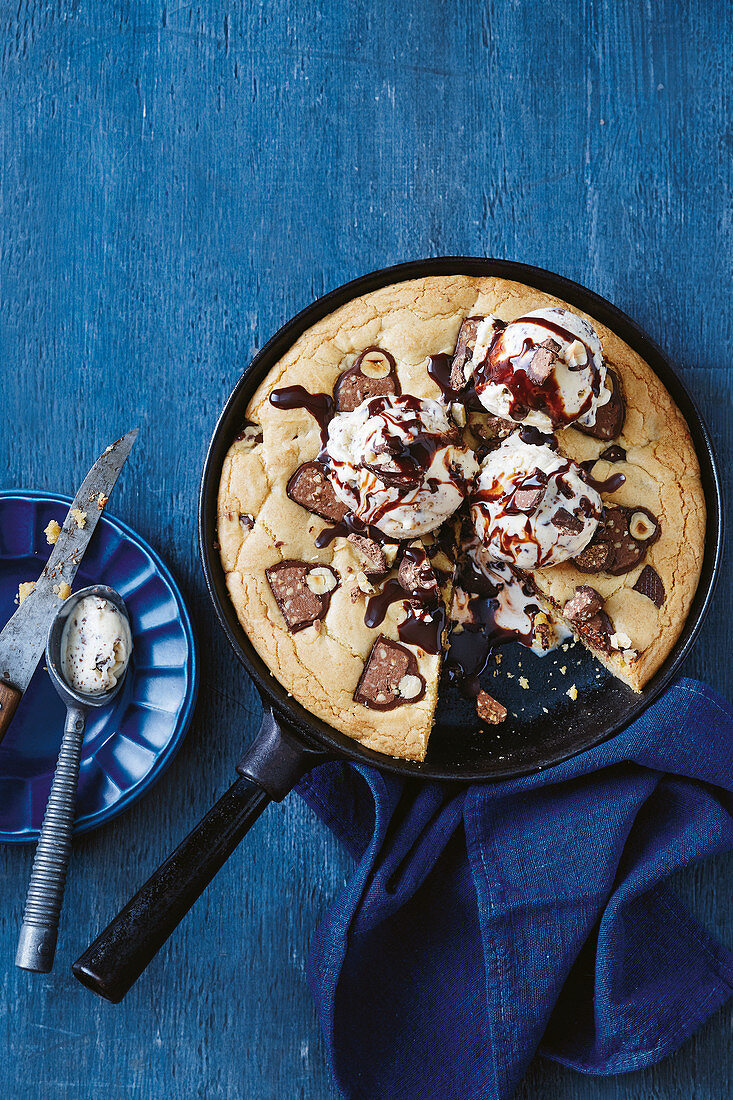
{"points": [[486, 922]]}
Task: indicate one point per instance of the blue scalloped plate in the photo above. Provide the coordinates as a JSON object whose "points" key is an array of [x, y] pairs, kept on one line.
{"points": [[127, 745]]}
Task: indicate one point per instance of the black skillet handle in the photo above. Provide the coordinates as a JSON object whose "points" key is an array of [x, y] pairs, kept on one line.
{"points": [[273, 765]]}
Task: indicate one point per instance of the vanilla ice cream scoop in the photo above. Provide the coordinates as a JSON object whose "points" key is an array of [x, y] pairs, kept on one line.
{"points": [[398, 463], [545, 369], [532, 507]]}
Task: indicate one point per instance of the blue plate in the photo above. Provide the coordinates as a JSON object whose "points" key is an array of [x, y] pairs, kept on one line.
{"points": [[127, 745]]}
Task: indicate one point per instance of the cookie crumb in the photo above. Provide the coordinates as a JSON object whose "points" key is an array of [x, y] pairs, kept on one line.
{"points": [[24, 589], [52, 531], [524, 683], [572, 692], [62, 590], [80, 518]]}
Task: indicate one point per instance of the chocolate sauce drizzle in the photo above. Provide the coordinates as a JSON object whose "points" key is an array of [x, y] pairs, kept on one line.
{"points": [[439, 369], [611, 483], [471, 646], [416, 629], [319, 405]]}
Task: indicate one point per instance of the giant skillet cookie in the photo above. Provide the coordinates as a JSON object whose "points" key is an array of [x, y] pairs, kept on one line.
{"points": [[319, 645]]}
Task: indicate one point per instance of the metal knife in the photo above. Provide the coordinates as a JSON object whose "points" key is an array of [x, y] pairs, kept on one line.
{"points": [[23, 638]]}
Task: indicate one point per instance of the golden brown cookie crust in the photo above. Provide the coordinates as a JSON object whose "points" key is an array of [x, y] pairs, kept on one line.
{"points": [[321, 665]]}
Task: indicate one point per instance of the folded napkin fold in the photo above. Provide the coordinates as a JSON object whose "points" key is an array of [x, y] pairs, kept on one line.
{"points": [[483, 923]]}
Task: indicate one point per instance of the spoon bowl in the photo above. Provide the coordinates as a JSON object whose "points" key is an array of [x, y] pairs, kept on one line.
{"points": [[70, 696], [38, 934]]}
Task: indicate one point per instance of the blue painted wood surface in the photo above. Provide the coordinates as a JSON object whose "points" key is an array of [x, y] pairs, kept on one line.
{"points": [[177, 180]]}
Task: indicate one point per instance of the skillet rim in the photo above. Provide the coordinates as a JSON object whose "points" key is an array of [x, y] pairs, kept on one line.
{"points": [[318, 733]]}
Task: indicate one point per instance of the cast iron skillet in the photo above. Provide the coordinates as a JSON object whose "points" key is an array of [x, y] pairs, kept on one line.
{"points": [[291, 741]]}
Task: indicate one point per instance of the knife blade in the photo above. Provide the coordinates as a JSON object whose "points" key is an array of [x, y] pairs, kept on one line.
{"points": [[23, 638]]}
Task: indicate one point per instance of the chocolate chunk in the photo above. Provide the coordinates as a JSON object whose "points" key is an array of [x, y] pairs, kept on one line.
{"points": [[614, 548], [529, 492], [593, 559], [416, 574], [375, 563], [489, 709], [526, 500], [625, 552], [246, 522], [614, 453], [543, 631], [488, 427], [566, 522], [372, 374], [649, 584], [596, 632], [464, 351], [310, 487], [543, 361], [302, 591], [583, 605], [609, 417], [251, 434], [391, 677]]}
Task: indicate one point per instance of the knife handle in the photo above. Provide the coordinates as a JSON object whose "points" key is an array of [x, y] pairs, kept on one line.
{"points": [[9, 699]]}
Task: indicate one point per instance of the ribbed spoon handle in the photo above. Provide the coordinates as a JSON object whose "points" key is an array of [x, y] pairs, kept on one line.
{"points": [[37, 941]]}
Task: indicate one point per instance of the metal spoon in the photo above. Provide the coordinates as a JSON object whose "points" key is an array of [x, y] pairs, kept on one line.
{"points": [[37, 941]]}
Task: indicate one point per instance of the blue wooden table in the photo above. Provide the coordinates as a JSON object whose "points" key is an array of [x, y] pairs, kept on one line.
{"points": [[177, 180]]}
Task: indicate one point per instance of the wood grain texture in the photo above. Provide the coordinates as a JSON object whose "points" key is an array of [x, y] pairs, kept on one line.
{"points": [[177, 180], [10, 697]]}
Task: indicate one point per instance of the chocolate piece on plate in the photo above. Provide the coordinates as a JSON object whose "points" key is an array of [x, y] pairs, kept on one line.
{"points": [[583, 605], [609, 417], [416, 574], [567, 522], [649, 584], [464, 352], [309, 486], [391, 677], [375, 563], [489, 709], [543, 361], [372, 374], [302, 591]]}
